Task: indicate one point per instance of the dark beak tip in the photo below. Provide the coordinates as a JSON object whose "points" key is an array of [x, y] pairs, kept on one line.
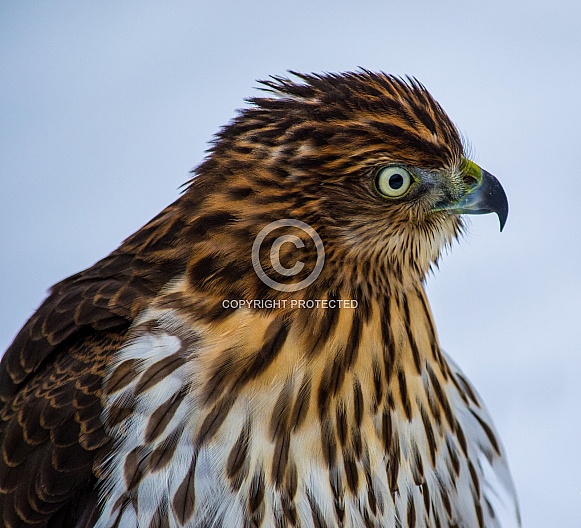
{"points": [[502, 216], [497, 199]]}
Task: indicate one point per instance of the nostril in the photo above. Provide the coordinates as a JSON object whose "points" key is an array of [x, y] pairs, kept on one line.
{"points": [[471, 175], [470, 181]]}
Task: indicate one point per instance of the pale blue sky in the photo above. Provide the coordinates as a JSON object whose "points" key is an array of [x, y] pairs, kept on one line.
{"points": [[106, 106]]}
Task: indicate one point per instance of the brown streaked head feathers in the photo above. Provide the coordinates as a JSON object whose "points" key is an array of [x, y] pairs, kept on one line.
{"points": [[310, 152]]}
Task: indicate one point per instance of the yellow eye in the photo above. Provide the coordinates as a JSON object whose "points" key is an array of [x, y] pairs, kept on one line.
{"points": [[393, 182]]}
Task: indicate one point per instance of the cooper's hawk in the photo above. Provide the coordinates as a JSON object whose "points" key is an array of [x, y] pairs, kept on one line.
{"points": [[262, 353]]}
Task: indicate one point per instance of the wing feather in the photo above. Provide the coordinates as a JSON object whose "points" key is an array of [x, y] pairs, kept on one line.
{"points": [[51, 376], [498, 491]]}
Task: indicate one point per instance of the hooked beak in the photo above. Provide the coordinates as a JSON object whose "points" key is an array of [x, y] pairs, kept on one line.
{"points": [[486, 196]]}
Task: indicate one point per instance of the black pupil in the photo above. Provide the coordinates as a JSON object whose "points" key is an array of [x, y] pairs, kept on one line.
{"points": [[396, 181]]}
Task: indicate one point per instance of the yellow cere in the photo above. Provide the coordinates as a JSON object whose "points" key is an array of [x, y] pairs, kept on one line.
{"points": [[469, 168]]}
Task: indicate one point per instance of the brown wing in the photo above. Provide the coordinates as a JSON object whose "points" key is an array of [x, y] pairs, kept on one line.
{"points": [[107, 295], [51, 431], [51, 376]]}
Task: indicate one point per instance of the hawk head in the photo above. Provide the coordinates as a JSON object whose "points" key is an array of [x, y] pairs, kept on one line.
{"points": [[369, 161]]}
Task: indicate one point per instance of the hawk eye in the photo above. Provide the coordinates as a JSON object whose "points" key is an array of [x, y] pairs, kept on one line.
{"points": [[393, 182]]}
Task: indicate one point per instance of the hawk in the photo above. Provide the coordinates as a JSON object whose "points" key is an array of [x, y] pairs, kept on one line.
{"points": [[171, 384]]}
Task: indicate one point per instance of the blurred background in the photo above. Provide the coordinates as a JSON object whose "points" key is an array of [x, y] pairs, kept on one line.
{"points": [[106, 106]]}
